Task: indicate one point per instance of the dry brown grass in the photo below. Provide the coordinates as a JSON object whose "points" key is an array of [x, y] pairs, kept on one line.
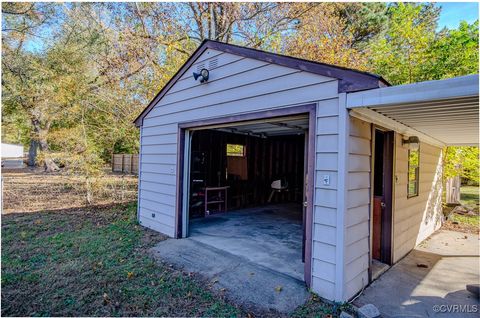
{"points": [[26, 190]]}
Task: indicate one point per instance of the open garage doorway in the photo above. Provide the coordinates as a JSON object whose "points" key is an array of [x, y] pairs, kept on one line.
{"points": [[246, 190]]}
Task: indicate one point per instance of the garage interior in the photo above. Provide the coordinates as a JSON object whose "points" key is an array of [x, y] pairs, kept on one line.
{"points": [[246, 191]]}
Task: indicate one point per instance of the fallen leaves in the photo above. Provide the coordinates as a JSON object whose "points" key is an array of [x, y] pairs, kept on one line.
{"points": [[97, 265], [106, 299], [278, 289], [130, 275]]}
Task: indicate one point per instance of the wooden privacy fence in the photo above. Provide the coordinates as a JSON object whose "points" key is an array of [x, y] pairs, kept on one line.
{"points": [[126, 163], [452, 194]]}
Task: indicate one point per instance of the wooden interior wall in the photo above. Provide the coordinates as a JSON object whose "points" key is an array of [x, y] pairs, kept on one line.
{"points": [[268, 159]]}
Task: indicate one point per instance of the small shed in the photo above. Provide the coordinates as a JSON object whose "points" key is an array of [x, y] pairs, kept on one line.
{"points": [[12, 156], [330, 173]]}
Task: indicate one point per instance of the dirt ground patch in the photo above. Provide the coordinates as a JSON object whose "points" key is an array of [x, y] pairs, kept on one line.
{"points": [[463, 223], [29, 190]]}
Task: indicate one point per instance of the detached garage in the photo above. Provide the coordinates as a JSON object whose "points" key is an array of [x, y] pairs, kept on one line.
{"points": [[291, 164]]}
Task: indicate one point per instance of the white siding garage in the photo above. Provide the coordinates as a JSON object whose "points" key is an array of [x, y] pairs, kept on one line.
{"points": [[345, 114], [243, 81], [236, 85]]}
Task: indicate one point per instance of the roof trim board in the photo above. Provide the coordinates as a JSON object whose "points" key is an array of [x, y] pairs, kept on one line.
{"points": [[428, 92], [446, 110], [349, 80]]}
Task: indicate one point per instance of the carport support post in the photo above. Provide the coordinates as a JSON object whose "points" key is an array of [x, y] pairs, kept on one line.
{"points": [[342, 188]]}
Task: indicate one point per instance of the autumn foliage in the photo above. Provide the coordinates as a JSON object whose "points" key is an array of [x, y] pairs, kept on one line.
{"points": [[75, 75]]}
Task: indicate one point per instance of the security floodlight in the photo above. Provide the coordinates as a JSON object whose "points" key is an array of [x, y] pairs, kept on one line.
{"points": [[203, 75], [413, 142]]}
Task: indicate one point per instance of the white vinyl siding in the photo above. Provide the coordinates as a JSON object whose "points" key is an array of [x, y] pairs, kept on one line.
{"points": [[415, 218], [357, 215], [324, 263], [240, 85]]}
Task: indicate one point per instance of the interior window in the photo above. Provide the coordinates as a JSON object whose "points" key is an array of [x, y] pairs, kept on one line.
{"points": [[413, 172], [234, 150]]}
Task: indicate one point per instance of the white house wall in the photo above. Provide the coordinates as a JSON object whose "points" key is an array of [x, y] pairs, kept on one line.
{"points": [[357, 215], [416, 218], [240, 85], [324, 248]]}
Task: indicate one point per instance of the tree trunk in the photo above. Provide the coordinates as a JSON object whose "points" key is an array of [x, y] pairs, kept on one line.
{"points": [[49, 164], [32, 153], [41, 139]]}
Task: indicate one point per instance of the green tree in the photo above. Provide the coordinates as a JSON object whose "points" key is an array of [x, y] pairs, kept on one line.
{"points": [[42, 88], [364, 21], [400, 55], [75, 75], [454, 52], [462, 161]]}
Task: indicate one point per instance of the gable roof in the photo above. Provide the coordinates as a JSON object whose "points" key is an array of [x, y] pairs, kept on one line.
{"points": [[349, 80]]}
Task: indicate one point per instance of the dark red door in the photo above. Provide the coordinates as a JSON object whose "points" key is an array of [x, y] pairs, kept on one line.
{"points": [[382, 196], [377, 227]]}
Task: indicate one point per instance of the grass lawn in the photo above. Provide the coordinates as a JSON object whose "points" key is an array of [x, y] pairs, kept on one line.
{"points": [[469, 196], [94, 262], [79, 263], [469, 220]]}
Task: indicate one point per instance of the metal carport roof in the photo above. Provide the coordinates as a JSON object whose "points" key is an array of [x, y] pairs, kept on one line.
{"points": [[443, 111]]}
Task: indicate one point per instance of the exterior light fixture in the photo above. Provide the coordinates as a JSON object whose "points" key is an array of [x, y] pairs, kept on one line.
{"points": [[203, 75], [413, 142]]}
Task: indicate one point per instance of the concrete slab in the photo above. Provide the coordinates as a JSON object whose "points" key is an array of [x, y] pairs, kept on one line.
{"points": [[254, 256], [251, 285], [270, 236], [439, 290]]}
